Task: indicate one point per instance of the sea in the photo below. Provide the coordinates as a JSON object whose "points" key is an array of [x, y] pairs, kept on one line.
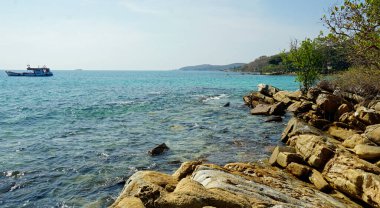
{"points": [[72, 140]]}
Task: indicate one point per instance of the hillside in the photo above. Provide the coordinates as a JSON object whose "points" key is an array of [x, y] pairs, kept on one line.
{"points": [[209, 67]]}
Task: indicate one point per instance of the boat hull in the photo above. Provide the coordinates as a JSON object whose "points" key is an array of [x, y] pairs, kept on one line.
{"points": [[24, 74]]}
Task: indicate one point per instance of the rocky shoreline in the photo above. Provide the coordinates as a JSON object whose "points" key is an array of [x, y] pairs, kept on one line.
{"points": [[332, 159]]}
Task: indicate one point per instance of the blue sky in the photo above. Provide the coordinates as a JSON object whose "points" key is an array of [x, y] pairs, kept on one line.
{"points": [[150, 34]]}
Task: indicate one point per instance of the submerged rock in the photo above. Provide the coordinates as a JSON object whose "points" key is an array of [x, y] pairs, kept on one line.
{"points": [[274, 119], [227, 104], [158, 149]]}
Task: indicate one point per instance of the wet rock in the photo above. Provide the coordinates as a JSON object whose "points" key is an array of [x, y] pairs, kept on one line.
{"points": [[274, 119], [261, 109], [328, 103], [313, 149], [277, 109], [298, 170], [340, 133], [186, 169], [355, 177], [367, 116], [267, 90], [355, 140], [277, 150], [319, 182], [367, 152], [285, 158], [373, 133], [159, 149], [227, 104]]}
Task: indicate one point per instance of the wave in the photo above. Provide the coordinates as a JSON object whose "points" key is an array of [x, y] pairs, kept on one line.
{"points": [[213, 97]]}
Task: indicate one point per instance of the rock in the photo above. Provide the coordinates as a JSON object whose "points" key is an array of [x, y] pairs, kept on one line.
{"points": [[257, 96], [367, 116], [378, 163], [296, 126], [340, 133], [285, 158], [319, 182], [355, 177], [186, 169], [375, 105], [261, 109], [300, 107], [267, 90], [328, 103], [367, 152], [313, 149], [247, 100], [146, 185], [312, 93], [227, 104], [158, 149], [373, 133], [277, 150], [274, 119], [277, 109], [132, 202], [283, 96], [352, 121], [319, 123], [355, 140], [298, 170], [344, 108], [295, 95]]}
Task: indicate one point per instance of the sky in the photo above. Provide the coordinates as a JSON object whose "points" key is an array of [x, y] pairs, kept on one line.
{"points": [[150, 34]]}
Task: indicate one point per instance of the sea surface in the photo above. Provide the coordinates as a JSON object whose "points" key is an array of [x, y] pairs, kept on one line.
{"points": [[73, 139]]}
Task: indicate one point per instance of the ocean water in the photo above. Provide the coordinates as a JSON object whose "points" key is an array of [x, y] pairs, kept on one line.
{"points": [[72, 139]]}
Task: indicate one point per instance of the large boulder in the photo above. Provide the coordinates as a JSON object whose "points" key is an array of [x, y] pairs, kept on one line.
{"points": [[355, 177], [267, 90], [367, 116], [373, 133], [261, 109], [328, 103], [298, 170], [300, 107], [283, 96], [315, 150], [296, 126], [277, 109], [356, 139], [367, 152]]}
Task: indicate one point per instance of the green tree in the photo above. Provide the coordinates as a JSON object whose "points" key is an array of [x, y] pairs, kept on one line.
{"points": [[306, 58], [357, 22]]}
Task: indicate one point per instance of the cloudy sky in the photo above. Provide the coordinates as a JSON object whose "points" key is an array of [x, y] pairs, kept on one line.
{"points": [[150, 34]]}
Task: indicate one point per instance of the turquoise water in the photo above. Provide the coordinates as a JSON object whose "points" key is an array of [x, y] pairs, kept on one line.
{"points": [[72, 139]]}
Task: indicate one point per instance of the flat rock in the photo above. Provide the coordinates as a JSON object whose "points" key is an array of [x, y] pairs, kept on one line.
{"points": [[357, 139], [283, 96], [340, 133], [261, 109], [373, 133], [354, 177], [368, 152]]}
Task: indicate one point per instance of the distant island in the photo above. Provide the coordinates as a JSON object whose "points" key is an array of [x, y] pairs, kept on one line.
{"points": [[209, 67]]}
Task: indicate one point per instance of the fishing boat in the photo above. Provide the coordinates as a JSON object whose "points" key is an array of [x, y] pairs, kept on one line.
{"points": [[32, 72]]}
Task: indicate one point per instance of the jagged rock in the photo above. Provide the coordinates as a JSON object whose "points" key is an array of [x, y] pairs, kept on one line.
{"points": [[312, 93], [367, 116], [146, 185], [283, 96], [368, 152], [349, 119], [355, 177], [300, 107], [373, 133], [344, 108], [296, 126], [261, 109], [277, 150], [285, 158], [274, 119], [298, 170], [340, 133], [319, 182], [267, 90], [313, 149], [328, 103], [130, 202], [355, 140], [186, 169], [319, 123], [277, 109], [159, 149]]}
